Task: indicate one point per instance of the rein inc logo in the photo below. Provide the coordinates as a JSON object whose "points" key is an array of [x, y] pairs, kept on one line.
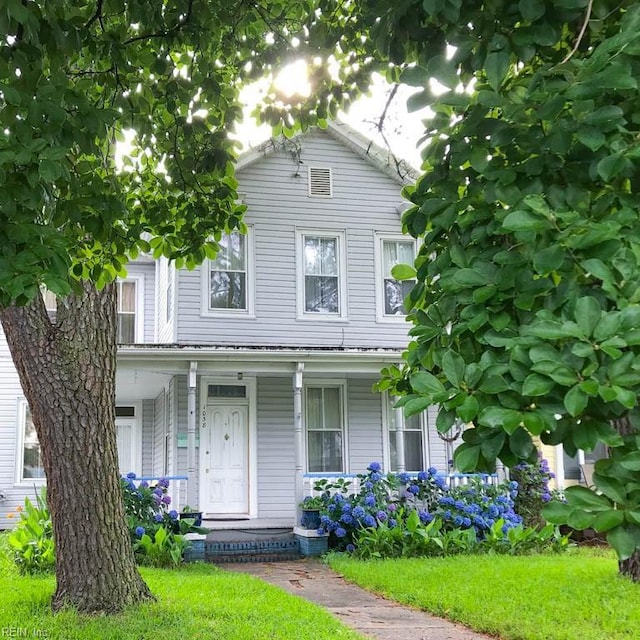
{"points": [[23, 632]]}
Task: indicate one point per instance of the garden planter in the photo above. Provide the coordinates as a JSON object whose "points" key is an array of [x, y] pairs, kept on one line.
{"points": [[193, 515], [310, 518]]}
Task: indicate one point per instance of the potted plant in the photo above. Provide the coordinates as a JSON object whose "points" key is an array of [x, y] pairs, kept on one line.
{"points": [[311, 507], [193, 514]]}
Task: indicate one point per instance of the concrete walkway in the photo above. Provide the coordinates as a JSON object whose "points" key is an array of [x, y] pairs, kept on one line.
{"points": [[372, 616]]}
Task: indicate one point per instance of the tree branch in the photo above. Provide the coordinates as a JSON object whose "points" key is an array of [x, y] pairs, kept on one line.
{"points": [[163, 34], [97, 15], [581, 34]]}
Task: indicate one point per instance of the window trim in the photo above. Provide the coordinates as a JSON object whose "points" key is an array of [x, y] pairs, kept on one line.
{"points": [[205, 271], [343, 303], [21, 415], [380, 239], [332, 383], [138, 280]]}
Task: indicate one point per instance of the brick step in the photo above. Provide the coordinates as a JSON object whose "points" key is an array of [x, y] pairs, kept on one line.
{"points": [[259, 550]]}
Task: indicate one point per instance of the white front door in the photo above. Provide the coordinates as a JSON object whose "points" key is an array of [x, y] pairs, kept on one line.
{"points": [[226, 460], [127, 439]]}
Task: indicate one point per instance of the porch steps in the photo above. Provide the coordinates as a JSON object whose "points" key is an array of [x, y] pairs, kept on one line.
{"points": [[251, 545]]}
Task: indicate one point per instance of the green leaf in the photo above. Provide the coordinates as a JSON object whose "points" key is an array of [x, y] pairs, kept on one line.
{"points": [[556, 512], [468, 409], [491, 447], [610, 487], [500, 418], [416, 405], [496, 66], [575, 400], [611, 166], [468, 278], [426, 383], [631, 461], [587, 314], [466, 457], [403, 272], [549, 259], [582, 498], [453, 367], [606, 520], [580, 519], [49, 170], [537, 385], [591, 137], [623, 541], [524, 221], [531, 10], [521, 444]]}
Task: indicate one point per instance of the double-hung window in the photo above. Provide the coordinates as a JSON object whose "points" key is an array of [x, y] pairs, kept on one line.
{"points": [[325, 428], [130, 310], [414, 459], [321, 267], [391, 292], [228, 276], [31, 465]]}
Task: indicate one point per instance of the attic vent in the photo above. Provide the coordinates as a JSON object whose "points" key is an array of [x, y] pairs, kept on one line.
{"points": [[320, 182]]}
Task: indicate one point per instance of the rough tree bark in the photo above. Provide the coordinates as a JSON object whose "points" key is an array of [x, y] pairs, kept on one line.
{"points": [[67, 372], [631, 566]]}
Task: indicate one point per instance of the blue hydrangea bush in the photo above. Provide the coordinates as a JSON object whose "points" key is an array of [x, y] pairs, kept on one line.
{"points": [[418, 514], [157, 531], [534, 491]]}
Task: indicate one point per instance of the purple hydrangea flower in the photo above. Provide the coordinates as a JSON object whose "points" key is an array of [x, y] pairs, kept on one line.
{"points": [[166, 499], [158, 492], [545, 497], [144, 484], [163, 482], [173, 514], [382, 516], [392, 507]]}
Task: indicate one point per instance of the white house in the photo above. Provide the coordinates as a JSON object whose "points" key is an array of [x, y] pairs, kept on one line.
{"points": [[253, 374]]}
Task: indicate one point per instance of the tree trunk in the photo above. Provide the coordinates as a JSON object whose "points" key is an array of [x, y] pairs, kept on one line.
{"points": [[631, 566], [67, 372]]}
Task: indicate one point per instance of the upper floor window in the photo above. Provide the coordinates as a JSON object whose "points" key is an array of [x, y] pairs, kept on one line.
{"points": [[228, 276], [392, 292], [130, 310], [322, 290], [325, 428]]}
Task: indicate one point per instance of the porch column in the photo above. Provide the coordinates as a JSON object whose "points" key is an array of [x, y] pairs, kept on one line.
{"points": [[399, 416], [559, 466], [298, 435], [192, 495]]}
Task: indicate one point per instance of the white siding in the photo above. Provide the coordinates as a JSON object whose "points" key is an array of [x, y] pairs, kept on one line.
{"points": [[148, 269], [438, 455], [276, 452], [364, 202], [364, 425], [165, 307], [10, 392]]}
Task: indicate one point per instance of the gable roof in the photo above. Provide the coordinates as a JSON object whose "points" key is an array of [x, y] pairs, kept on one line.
{"points": [[382, 159]]}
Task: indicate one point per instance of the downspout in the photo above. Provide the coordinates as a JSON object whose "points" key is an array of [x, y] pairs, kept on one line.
{"points": [[399, 416], [298, 437], [192, 494]]}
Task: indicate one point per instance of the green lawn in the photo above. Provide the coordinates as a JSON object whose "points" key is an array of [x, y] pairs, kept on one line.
{"points": [[194, 602], [575, 596]]}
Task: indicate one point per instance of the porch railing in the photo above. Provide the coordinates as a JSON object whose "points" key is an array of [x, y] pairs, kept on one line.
{"points": [[177, 488], [452, 480]]}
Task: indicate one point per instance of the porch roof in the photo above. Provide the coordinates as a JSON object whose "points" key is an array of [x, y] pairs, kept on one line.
{"points": [[143, 370]]}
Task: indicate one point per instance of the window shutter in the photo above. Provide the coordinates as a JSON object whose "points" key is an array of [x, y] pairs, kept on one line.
{"points": [[320, 182]]}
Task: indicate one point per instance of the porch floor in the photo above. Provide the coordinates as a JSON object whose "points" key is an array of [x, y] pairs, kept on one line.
{"points": [[240, 524]]}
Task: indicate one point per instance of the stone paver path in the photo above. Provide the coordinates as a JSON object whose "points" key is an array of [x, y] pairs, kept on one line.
{"points": [[370, 615]]}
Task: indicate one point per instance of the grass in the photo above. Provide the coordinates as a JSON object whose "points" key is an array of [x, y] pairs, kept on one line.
{"points": [[197, 601], [575, 596]]}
